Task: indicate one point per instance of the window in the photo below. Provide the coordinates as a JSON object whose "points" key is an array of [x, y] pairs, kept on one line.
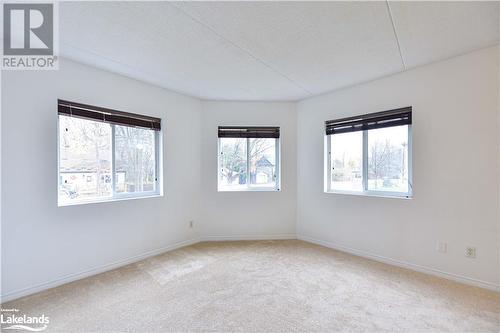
{"points": [[370, 154], [106, 154], [135, 159], [248, 159], [347, 161], [388, 159]]}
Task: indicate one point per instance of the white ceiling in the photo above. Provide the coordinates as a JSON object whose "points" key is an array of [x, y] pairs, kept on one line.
{"points": [[270, 50]]}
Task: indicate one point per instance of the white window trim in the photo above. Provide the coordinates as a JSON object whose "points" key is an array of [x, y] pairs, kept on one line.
{"points": [[250, 187], [158, 192], [366, 191]]}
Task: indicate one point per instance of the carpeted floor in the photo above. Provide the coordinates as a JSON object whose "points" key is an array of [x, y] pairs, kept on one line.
{"points": [[263, 286]]}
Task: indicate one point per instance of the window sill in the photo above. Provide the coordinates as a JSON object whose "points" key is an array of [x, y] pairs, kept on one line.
{"points": [[404, 196], [117, 198], [257, 189]]}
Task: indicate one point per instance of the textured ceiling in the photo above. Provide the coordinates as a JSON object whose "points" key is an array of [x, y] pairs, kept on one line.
{"points": [[270, 50]]}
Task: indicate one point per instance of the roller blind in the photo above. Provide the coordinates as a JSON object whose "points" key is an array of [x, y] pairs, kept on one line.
{"points": [[396, 117], [248, 132], [97, 113]]}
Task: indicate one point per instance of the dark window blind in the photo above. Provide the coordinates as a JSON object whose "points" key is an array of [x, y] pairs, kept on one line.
{"points": [[248, 132], [370, 121], [97, 113]]}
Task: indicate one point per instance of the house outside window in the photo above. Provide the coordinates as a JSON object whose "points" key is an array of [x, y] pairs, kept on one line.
{"points": [[106, 154], [370, 154], [249, 159]]}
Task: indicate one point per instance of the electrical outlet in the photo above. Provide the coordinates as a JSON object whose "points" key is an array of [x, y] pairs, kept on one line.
{"points": [[191, 224], [470, 252], [442, 247]]}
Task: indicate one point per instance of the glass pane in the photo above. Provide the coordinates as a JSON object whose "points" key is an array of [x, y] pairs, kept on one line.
{"points": [[134, 159], [84, 159], [263, 162], [388, 159], [233, 163], [347, 161]]}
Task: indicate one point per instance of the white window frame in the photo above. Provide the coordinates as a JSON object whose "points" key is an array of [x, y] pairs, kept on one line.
{"points": [[366, 191], [158, 191], [250, 187]]}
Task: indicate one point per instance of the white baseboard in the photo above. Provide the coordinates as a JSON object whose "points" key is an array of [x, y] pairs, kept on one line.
{"points": [[93, 271], [104, 268], [215, 238], [100, 269], [404, 264]]}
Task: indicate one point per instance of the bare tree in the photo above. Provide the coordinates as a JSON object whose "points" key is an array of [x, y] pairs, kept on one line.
{"points": [[259, 146], [135, 155], [234, 157], [380, 155], [233, 160], [387, 160], [91, 139], [87, 145]]}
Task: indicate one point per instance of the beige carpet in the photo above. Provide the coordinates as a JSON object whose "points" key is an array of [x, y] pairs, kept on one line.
{"points": [[263, 286]]}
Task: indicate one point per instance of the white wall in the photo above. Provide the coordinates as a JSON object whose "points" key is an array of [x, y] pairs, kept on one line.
{"points": [[455, 170], [456, 175], [41, 242], [239, 215]]}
